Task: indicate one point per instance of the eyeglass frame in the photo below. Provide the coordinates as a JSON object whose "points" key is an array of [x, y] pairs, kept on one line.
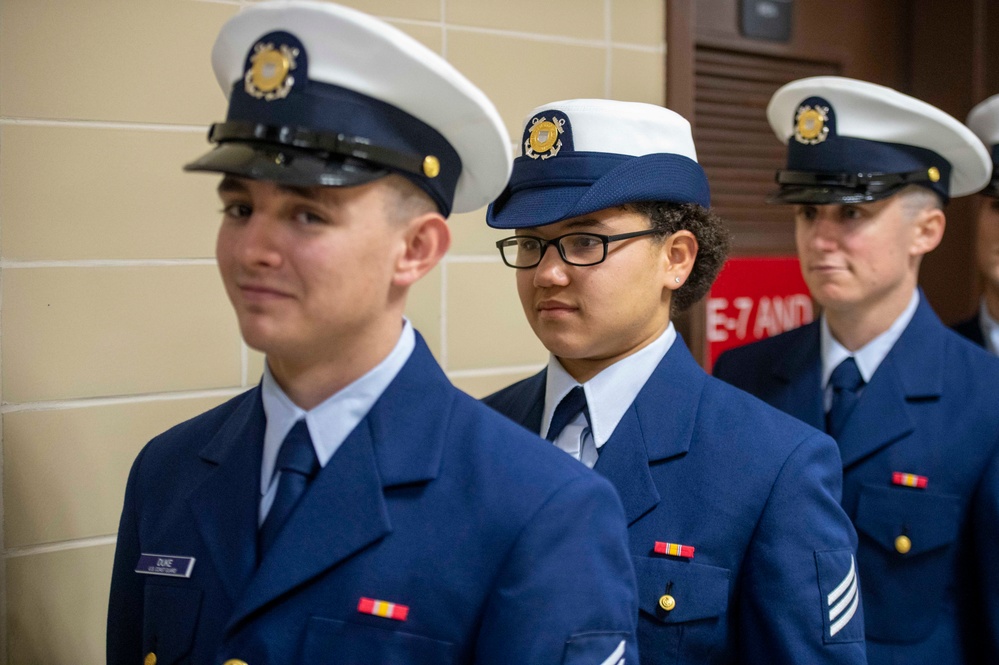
{"points": [[557, 242]]}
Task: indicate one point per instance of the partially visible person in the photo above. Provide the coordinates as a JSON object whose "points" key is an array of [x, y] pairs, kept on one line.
{"points": [[983, 327], [355, 507], [742, 552], [913, 406]]}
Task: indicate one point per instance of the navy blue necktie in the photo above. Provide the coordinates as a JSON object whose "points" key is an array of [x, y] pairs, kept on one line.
{"points": [[298, 464], [567, 410], [846, 383]]}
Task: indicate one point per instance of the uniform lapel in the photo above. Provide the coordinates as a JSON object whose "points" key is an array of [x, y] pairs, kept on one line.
{"points": [[225, 505], [912, 372], [658, 425], [798, 377], [400, 441], [342, 512], [527, 404]]}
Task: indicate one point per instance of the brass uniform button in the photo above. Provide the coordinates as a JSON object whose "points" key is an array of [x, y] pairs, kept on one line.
{"points": [[667, 602], [235, 661], [150, 659], [903, 544], [431, 166]]}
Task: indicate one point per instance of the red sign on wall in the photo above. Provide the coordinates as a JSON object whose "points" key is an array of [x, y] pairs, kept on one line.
{"points": [[754, 298]]}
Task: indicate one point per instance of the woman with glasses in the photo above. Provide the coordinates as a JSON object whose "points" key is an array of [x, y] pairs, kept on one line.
{"points": [[741, 550]]}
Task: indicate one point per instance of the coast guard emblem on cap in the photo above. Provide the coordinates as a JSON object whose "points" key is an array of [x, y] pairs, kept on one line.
{"points": [[842, 617], [543, 137], [810, 124], [269, 75]]}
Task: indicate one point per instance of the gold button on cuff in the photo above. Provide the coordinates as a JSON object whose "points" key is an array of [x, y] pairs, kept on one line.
{"points": [[667, 602], [234, 661], [150, 659], [903, 544]]}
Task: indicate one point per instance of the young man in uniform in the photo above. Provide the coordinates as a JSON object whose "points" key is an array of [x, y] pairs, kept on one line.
{"points": [[355, 507], [983, 327], [742, 552], [911, 404]]}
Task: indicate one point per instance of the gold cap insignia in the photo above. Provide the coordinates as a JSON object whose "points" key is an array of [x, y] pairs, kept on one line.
{"points": [[810, 124], [934, 174], [431, 166], [269, 75], [543, 141]]}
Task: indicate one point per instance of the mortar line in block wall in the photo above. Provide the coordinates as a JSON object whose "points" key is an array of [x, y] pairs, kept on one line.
{"points": [[494, 371], [87, 402], [609, 55], [61, 546], [102, 124], [16, 264]]}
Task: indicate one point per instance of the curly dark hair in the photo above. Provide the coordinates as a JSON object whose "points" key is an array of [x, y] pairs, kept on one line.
{"points": [[713, 241]]}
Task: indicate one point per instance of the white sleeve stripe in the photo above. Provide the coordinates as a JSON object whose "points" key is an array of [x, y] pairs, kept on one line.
{"points": [[845, 619], [847, 581], [844, 601], [617, 657]]}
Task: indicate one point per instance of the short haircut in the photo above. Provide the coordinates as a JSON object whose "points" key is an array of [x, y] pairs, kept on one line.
{"points": [[918, 198], [713, 241], [410, 200]]}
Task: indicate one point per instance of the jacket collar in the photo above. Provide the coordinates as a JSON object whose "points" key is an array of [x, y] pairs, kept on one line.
{"points": [[658, 426], [400, 441]]}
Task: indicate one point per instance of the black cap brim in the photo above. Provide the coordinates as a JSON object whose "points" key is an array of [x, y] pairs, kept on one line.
{"points": [[286, 165], [828, 195]]}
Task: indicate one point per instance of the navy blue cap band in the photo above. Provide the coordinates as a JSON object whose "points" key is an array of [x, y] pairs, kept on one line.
{"points": [[283, 126], [547, 191], [329, 109], [824, 166]]}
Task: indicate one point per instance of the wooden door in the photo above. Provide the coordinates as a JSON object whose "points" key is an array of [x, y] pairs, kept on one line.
{"points": [[721, 81]]}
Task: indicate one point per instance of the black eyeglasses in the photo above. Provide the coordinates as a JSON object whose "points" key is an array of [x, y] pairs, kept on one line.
{"points": [[576, 249]]}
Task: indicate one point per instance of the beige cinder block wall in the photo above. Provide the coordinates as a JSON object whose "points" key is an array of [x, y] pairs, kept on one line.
{"points": [[113, 324]]}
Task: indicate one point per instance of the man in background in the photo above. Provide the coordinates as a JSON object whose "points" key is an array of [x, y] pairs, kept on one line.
{"points": [[912, 405], [983, 327], [355, 507]]}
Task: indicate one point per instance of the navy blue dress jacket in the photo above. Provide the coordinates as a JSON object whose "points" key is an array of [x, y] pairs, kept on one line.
{"points": [[931, 409], [754, 492], [972, 329], [434, 503]]}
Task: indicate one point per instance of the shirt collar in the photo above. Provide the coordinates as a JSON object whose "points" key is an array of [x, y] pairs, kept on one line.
{"points": [[611, 392], [990, 328], [334, 419], [871, 355]]}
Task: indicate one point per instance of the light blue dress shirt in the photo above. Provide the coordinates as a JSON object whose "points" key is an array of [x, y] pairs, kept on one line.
{"points": [[869, 357], [331, 421], [609, 394]]}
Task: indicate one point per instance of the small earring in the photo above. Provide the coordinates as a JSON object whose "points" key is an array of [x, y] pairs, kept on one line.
{"points": [[676, 279]]}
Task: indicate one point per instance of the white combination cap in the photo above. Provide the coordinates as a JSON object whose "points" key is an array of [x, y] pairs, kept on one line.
{"points": [[320, 94], [984, 122], [851, 141]]}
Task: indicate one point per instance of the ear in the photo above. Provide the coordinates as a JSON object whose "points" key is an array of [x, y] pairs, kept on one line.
{"points": [[679, 251], [928, 231], [427, 239]]}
